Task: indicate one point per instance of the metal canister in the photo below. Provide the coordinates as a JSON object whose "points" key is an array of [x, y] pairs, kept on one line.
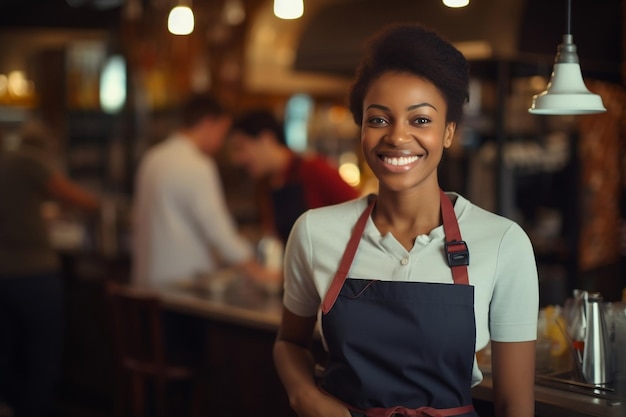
{"points": [[596, 366], [270, 253]]}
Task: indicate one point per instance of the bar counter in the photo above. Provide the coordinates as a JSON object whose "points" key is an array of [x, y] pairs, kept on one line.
{"points": [[241, 303], [244, 305]]}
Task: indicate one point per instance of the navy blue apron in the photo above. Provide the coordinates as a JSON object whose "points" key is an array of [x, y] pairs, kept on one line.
{"points": [[288, 202], [400, 348]]}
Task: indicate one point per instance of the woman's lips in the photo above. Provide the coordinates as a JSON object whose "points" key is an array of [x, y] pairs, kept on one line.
{"points": [[399, 163]]}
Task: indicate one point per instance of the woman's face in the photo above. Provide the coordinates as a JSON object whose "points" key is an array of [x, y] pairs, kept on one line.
{"points": [[404, 130]]}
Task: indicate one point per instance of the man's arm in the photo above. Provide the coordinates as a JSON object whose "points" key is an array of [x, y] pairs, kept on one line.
{"points": [[66, 191]]}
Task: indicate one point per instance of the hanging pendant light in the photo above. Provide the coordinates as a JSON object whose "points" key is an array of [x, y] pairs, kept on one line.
{"points": [[180, 20], [456, 3], [566, 93], [288, 9]]}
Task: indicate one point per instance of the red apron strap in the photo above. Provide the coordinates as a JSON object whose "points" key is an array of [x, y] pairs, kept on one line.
{"points": [[456, 249], [346, 260]]}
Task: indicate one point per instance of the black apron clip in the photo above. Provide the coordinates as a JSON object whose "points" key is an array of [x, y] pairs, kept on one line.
{"points": [[457, 253]]}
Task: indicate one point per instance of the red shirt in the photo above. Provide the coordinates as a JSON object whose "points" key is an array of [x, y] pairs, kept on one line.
{"points": [[321, 186], [322, 183]]}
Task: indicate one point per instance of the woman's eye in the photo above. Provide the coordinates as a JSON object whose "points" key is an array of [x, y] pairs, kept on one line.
{"points": [[376, 121], [421, 120]]}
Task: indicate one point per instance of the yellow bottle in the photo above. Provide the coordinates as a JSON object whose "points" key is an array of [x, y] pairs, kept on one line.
{"points": [[554, 325]]}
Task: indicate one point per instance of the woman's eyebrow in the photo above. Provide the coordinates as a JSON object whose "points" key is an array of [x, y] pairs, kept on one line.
{"points": [[418, 105], [412, 107], [377, 106]]}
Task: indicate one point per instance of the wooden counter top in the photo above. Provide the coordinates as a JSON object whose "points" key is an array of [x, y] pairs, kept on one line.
{"points": [[247, 305], [241, 303], [556, 402]]}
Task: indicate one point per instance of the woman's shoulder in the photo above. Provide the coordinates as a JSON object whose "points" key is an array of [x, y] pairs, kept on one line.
{"points": [[477, 218]]}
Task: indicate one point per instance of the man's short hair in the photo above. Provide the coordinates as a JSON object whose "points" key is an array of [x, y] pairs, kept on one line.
{"points": [[198, 106], [256, 121]]}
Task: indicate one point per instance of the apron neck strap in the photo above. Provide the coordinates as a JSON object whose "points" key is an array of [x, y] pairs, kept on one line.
{"points": [[348, 256], [456, 249]]}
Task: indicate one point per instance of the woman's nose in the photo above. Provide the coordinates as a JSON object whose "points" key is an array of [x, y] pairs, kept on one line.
{"points": [[397, 135]]}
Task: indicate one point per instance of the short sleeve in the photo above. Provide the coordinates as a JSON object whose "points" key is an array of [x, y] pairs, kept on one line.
{"points": [[301, 296], [515, 303]]}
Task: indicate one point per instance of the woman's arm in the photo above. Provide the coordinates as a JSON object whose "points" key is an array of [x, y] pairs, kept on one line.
{"points": [[513, 372], [296, 366]]}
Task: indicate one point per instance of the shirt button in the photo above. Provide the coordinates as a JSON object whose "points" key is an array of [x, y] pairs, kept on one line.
{"points": [[404, 261]]}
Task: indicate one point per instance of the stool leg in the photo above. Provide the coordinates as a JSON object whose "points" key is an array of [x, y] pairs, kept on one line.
{"points": [[138, 396], [196, 390], [161, 396], [121, 387]]}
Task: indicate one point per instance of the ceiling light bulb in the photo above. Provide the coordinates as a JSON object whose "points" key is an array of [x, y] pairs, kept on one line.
{"points": [[180, 20], [288, 9], [456, 3]]}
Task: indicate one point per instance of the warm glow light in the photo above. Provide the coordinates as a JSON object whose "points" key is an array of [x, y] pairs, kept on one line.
{"points": [[4, 82], [350, 173], [456, 3], [288, 9], [349, 168], [180, 20], [17, 84]]}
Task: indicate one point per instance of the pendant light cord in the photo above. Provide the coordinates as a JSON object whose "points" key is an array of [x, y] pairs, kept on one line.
{"points": [[569, 17]]}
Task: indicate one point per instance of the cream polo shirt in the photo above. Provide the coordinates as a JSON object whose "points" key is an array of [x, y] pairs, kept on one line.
{"points": [[180, 218], [502, 265]]}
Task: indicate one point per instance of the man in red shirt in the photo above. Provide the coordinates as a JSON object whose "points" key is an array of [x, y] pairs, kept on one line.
{"points": [[292, 183]]}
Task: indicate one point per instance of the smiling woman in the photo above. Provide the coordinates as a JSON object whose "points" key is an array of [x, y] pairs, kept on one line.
{"points": [[404, 313]]}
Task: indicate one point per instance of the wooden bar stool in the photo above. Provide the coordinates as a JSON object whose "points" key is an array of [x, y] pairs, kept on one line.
{"points": [[140, 353]]}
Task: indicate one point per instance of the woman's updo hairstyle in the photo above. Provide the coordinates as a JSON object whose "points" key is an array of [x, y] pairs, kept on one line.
{"points": [[413, 49]]}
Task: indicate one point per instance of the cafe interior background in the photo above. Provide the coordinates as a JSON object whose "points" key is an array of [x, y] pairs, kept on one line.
{"points": [[107, 76]]}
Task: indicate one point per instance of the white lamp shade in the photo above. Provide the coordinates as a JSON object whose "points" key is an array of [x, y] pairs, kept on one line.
{"points": [[180, 20], [566, 94]]}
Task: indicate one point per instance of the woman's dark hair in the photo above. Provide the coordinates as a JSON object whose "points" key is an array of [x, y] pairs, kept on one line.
{"points": [[198, 106], [413, 49], [255, 122]]}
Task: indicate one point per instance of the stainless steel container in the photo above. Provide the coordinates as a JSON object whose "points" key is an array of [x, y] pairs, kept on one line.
{"points": [[596, 364]]}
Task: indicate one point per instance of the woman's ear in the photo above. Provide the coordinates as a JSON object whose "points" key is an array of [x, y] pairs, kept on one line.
{"points": [[449, 134]]}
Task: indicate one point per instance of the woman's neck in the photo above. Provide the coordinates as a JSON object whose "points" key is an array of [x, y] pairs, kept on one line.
{"points": [[407, 215]]}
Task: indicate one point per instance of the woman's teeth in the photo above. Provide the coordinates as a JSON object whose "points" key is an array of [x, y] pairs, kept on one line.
{"points": [[403, 160]]}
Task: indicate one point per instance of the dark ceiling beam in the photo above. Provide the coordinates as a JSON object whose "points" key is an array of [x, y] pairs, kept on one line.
{"points": [[332, 40], [56, 14]]}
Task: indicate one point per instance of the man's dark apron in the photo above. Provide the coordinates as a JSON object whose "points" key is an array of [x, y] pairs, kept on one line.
{"points": [[401, 348], [288, 202]]}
